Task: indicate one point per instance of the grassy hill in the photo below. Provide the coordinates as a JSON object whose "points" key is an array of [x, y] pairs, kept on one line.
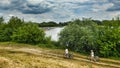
{"points": [[13, 55]]}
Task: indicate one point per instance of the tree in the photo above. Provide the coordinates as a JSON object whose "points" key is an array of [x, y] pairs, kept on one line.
{"points": [[5, 32], [7, 29], [15, 22], [1, 20], [109, 40], [29, 33], [80, 36]]}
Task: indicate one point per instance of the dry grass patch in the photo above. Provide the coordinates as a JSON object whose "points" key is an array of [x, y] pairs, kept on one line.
{"points": [[11, 59]]}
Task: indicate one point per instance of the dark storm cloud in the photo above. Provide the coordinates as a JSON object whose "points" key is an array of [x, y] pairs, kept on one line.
{"points": [[116, 6], [35, 9], [25, 7]]}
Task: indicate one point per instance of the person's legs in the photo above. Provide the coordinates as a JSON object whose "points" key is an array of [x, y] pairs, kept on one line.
{"points": [[66, 55], [91, 58]]}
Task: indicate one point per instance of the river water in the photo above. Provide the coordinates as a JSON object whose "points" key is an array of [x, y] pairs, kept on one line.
{"points": [[54, 33]]}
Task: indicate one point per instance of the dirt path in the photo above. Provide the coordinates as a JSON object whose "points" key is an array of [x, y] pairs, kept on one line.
{"points": [[114, 64]]}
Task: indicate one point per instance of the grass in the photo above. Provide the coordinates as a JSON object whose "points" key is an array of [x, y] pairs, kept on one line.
{"points": [[13, 44], [15, 58], [25, 60], [114, 58]]}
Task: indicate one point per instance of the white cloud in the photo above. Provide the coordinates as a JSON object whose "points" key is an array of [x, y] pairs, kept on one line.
{"points": [[97, 1], [101, 7], [1, 13], [82, 1], [10, 15], [114, 14], [5, 1], [35, 1]]}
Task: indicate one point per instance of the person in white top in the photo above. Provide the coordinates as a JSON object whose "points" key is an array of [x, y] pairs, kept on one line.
{"points": [[92, 55], [66, 52]]}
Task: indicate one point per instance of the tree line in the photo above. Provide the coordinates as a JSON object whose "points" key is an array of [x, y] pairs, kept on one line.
{"points": [[87, 34], [52, 24]]}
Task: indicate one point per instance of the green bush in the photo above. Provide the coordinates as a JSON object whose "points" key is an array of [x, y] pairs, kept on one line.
{"points": [[29, 33]]}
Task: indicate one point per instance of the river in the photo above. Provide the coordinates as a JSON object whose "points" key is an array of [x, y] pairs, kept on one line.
{"points": [[53, 32]]}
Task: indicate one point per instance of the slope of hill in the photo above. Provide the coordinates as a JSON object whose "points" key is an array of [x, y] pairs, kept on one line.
{"points": [[27, 56]]}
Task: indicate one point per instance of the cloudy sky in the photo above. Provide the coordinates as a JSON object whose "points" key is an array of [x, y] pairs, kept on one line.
{"points": [[59, 10]]}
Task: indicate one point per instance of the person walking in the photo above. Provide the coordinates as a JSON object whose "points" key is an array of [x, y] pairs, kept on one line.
{"points": [[92, 55], [66, 53]]}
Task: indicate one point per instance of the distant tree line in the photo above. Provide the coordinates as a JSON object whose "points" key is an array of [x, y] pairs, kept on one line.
{"points": [[52, 24]]}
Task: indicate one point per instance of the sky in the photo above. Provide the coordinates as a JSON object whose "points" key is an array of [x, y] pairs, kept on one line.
{"points": [[59, 10]]}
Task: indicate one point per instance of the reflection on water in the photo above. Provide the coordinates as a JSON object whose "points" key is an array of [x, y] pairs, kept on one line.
{"points": [[54, 33]]}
